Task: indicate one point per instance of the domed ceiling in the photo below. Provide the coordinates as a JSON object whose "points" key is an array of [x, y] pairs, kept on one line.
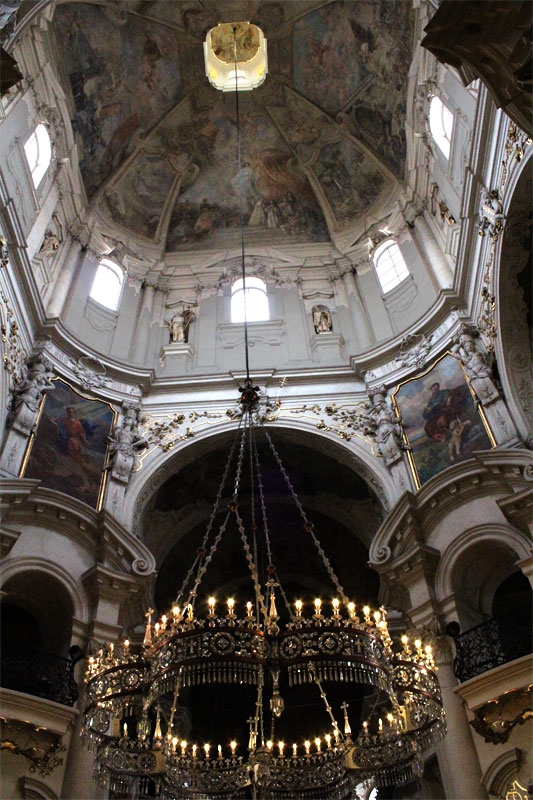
{"points": [[322, 140]]}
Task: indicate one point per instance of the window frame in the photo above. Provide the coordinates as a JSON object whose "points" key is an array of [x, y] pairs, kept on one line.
{"points": [[117, 270], [441, 125], [38, 153], [255, 308], [394, 266]]}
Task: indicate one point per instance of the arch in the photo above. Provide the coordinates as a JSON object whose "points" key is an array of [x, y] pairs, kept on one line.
{"points": [[501, 772], [39, 596], [513, 292], [354, 454], [33, 789], [176, 520], [488, 551], [13, 567], [180, 514]]}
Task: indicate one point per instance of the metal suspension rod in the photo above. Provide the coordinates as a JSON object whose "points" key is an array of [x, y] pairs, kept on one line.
{"points": [[241, 218]]}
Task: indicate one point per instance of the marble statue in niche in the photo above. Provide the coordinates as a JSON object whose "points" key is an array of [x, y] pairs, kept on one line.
{"points": [[179, 325], [322, 319]]}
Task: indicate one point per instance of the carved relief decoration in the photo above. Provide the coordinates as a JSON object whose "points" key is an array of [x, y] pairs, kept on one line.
{"points": [[14, 355], [414, 350]]}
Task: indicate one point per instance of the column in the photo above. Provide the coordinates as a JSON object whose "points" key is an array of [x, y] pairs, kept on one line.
{"points": [[142, 329], [432, 254], [458, 759], [362, 328], [73, 258]]}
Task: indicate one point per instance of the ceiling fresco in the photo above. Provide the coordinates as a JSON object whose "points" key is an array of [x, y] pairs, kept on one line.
{"points": [[322, 141]]}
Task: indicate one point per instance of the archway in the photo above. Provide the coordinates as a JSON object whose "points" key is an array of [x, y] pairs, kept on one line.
{"points": [[515, 303]]}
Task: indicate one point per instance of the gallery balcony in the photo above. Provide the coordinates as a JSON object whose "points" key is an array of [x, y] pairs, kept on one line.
{"points": [[489, 645], [35, 672]]}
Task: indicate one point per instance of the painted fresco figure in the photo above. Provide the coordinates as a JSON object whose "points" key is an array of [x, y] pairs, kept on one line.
{"points": [[72, 434], [442, 407]]}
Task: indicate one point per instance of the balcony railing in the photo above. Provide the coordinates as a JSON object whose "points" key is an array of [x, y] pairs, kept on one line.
{"points": [[489, 645], [33, 671]]}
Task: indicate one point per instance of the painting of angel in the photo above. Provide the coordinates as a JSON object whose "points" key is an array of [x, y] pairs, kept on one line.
{"points": [[441, 419]]}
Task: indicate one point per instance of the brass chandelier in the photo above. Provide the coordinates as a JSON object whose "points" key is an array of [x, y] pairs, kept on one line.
{"points": [[133, 694], [259, 649]]}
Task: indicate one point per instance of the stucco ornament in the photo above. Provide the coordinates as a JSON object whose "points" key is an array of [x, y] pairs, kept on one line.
{"points": [[414, 350], [36, 379], [491, 218], [385, 426], [90, 372], [125, 445], [4, 252], [475, 364]]}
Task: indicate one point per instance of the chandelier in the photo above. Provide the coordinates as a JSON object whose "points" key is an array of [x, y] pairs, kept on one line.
{"points": [[133, 718], [262, 650]]}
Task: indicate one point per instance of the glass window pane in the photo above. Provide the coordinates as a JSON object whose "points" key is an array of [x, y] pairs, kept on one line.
{"points": [[441, 125], [391, 268], [253, 308], [38, 150], [107, 285]]}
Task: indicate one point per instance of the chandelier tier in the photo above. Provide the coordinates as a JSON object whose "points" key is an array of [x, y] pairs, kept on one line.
{"points": [[263, 647]]}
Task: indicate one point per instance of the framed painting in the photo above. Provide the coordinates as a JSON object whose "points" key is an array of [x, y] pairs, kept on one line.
{"points": [[442, 422], [68, 450]]}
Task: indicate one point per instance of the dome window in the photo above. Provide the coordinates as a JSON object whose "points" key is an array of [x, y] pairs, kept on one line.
{"points": [[250, 303], [391, 268], [107, 284], [38, 150], [441, 125]]}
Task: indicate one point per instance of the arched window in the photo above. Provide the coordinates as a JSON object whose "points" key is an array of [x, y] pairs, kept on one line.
{"points": [[441, 125], [390, 267], [107, 284], [250, 303], [38, 151]]}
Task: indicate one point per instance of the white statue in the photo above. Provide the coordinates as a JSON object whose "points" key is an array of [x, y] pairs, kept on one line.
{"points": [[322, 319], [385, 425], [125, 444], [36, 380], [179, 325], [475, 365]]}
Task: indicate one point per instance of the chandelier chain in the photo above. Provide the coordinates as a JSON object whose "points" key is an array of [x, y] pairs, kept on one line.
{"points": [[308, 525], [214, 510]]}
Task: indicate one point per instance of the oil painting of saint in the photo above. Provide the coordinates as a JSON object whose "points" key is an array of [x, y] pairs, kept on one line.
{"points": [[68, 451], [441, 419]]}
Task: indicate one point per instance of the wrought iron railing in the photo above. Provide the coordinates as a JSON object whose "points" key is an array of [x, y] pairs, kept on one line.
{"points": [[489, 645], [33, 671]]}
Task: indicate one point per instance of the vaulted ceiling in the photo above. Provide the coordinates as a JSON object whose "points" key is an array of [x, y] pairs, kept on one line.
{"points": [[322, 141]]}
